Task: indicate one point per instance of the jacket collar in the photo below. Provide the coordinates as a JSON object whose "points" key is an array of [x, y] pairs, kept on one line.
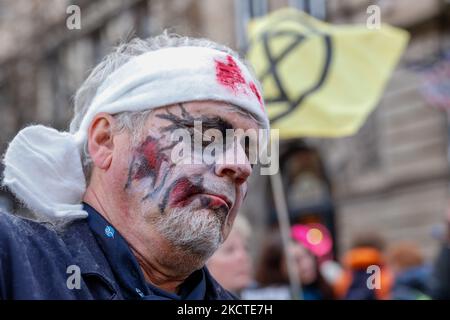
{"points": [[88, 256], [100, 251]]}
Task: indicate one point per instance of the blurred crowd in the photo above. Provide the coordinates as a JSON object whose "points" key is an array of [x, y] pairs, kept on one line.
{"points": [[368, 270]]}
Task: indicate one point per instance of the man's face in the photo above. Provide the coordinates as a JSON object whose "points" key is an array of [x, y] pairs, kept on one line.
{"points": [[190, 204]]}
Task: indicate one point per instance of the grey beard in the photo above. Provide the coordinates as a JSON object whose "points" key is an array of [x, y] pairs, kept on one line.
{"points": [[194, 235]]}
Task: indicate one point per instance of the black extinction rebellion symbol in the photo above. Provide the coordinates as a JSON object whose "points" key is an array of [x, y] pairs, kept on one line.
{"points": [[298, 39]]}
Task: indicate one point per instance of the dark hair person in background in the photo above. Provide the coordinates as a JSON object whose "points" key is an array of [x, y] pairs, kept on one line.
{"points": [[272, 269]]}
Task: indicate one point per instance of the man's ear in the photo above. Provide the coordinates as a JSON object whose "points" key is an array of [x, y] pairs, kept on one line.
{"points": [[100, 140]]}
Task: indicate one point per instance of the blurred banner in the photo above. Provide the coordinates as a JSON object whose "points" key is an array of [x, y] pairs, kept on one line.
{"points": [[320, 79]]}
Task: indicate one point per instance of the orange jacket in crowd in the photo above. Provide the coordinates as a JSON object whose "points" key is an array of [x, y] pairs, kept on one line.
{"points": [[353, 282]]}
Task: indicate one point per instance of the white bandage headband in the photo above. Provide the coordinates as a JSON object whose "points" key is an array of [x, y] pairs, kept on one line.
{"points": [[43, 166]]}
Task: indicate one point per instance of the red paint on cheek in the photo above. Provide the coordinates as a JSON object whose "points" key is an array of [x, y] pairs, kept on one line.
{"points": [[152, 159], [179, 190], [150, 151], [180, 193], [229, 74]]}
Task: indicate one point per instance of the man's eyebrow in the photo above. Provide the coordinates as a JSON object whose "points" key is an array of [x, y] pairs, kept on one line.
{"points": [[215, 122], [236, 109], [188, 120]]}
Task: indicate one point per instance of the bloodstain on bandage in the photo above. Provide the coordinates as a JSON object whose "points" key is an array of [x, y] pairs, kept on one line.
{"points": [[256, 93], [230, 75]]}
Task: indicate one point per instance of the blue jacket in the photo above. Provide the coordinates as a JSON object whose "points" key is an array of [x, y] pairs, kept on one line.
{"points": [[412, 284], [37, 262]]}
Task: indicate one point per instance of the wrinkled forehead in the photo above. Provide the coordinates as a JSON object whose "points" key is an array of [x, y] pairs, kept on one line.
{"points": [[209, 113]]}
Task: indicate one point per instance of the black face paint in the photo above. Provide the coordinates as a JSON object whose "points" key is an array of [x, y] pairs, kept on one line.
{"points": [[186, 121]]}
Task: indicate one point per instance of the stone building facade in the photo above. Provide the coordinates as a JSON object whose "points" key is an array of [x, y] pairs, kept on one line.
{"points": [[393, 175]]}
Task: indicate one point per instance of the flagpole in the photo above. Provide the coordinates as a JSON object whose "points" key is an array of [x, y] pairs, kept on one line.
{"points": [[285, 229]]}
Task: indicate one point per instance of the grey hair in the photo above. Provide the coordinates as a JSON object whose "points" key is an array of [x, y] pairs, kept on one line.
{"points": [[133, 122]]}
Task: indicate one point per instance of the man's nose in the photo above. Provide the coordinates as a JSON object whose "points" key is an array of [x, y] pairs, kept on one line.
{"points": [[235, 165]]}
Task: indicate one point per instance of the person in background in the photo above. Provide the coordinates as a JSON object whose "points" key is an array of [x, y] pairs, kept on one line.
{"points": [[406, 262], [231, 264], [365, 252], [314, 287], [272, 275], [440, 281]]}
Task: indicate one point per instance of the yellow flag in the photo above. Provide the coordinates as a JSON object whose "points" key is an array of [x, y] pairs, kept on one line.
{"points": [[321, 80]]}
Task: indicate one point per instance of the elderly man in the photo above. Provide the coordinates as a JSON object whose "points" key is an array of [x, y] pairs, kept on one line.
{"points": [[128, 220]]}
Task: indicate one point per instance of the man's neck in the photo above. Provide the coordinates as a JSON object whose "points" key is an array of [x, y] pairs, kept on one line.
{"points": [[158, 261], [159, 276]]}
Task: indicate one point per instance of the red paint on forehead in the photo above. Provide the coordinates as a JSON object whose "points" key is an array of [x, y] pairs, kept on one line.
{"points": [[257, 94], [229, 74]]}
